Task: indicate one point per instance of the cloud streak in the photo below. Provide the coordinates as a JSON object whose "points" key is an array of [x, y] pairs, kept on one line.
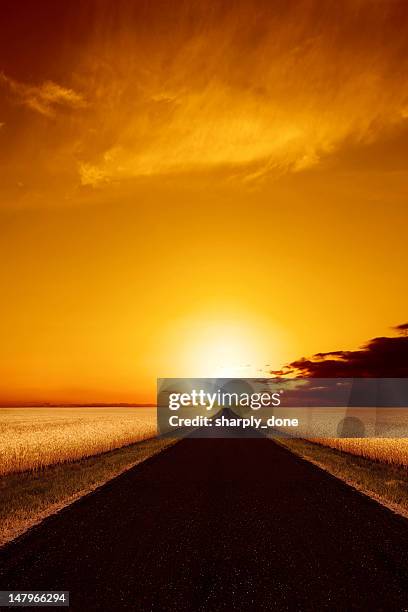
{"points": [[46, 98], [250, 90], [381, 357], [249, 87]]}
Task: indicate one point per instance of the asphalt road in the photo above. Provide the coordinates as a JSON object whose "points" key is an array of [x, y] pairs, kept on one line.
{"points": [[218, 524]]}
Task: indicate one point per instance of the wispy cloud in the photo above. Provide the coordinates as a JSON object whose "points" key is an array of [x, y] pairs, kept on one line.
{"points": [[258, 89], [45, 98], [247, 89]]}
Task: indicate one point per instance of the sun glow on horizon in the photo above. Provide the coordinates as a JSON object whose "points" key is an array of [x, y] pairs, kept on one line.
{"points": [[224, 348]]}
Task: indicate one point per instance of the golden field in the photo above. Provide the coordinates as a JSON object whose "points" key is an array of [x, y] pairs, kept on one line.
{"points": [[386, 431], [32, 438], [393, 451]]}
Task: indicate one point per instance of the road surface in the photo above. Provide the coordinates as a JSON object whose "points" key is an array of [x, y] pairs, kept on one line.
{"points": [[218, 524]]}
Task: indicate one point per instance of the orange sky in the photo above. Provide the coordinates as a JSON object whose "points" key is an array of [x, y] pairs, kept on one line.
{"points": [[196, 189]]}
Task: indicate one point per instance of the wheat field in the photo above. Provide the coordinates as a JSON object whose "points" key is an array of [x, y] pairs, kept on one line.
{"points": [[32, 438], [393, 451]]}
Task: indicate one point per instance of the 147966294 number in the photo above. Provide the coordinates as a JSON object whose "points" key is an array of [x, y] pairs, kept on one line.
{"points": [[34, 598]]}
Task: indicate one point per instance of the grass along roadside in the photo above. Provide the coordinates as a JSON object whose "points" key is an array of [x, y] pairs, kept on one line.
{"points": [[384, 450], [29, 497], [386, 483]]}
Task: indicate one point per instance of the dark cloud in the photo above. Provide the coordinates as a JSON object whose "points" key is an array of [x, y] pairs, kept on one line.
{"points": [[382, 357], [402, 329]]}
